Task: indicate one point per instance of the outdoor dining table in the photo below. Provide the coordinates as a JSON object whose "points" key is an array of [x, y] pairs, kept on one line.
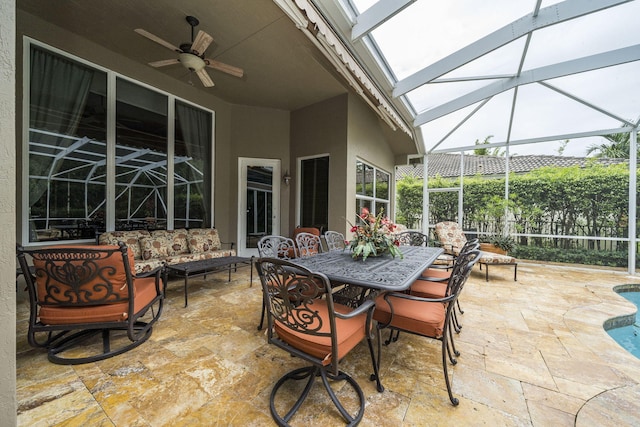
{"points": [[383, 273], [355, 280]]}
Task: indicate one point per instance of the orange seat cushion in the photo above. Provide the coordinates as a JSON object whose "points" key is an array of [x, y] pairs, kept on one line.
{"points": [[428, 289], [291, 253], [145, 291], [423, 318], [349, 333]]}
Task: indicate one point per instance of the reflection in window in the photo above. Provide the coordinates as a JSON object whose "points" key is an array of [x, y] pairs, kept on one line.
{"points": [[259, 203], [68, 109], [372, 189], [67, 148], [141, 153], [192, 163]]}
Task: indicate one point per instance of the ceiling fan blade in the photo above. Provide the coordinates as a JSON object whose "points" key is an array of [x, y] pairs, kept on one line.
{"points": [[201, 43], [164, 63], [204, 78], [156, 39], [225, 68]]}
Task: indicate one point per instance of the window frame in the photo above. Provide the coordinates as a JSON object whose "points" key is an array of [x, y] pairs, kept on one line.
{"points": [[111, 77], [374, 200]]}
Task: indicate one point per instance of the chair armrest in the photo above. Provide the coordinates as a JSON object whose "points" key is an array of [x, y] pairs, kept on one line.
{"points": [[160, 274], [416, 298], [434, 279], [362, 308], [155, 272], [231, 244]]}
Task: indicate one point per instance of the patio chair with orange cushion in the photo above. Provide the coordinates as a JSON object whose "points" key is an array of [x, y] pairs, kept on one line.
{"points": [[304, 321], [308, 244], [427, 317], [335, 240], [273, 246], [434, 282], [311, 230], [85, 302]]}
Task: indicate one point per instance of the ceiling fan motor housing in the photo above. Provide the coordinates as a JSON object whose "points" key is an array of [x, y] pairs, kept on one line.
{"points": [[191, 61]]}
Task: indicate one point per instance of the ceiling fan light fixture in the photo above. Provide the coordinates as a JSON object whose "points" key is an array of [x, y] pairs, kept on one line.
{"points": [[191, 61]]}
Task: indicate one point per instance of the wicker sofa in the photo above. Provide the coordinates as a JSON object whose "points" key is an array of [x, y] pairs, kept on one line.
{"points": [[152, 249]]}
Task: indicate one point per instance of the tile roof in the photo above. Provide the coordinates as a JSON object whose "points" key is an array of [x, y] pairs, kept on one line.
{"points": [[448, 165]]}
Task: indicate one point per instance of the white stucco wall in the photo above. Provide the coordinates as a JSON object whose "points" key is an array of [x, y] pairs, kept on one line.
{"points": [[7, 214]]}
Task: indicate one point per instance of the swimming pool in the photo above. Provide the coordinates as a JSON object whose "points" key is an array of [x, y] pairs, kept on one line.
{"points": [[628, 336]]}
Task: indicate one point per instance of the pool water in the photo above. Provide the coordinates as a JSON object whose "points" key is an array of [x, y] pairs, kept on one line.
{"points": [[629, 336]]}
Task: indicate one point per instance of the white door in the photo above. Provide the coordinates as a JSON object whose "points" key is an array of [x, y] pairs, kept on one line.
{"points": [[259, 202]]}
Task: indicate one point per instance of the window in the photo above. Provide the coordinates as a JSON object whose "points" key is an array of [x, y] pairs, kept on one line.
{"points": [[372, 189], [68, 153], [259, 201], [67, 147], [314, 197], [141, 156], [192, 163]]}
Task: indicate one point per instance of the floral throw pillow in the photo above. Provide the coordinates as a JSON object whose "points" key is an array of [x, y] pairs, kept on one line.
{"points": [[177, 244], [203, 240], [153, 247]]}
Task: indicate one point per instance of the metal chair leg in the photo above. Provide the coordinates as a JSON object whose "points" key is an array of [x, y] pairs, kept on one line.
{"points": [[309, 374], [262, 314]]}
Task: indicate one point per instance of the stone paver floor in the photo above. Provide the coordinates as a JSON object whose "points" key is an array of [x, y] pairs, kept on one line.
{"points": [[534, 353]]}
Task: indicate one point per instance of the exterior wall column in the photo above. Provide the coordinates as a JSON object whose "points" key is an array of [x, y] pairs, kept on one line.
{"points": [[8, 405]]}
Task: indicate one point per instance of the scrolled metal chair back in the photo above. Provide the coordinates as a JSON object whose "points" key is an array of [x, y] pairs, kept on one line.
{"points": [[412, 238], [335, 240], [308, 244], [80, 276], [277, 247], [291, 294]]}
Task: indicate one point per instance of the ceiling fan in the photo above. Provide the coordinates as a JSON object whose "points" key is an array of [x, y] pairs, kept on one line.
{"points": [[191, 55]]}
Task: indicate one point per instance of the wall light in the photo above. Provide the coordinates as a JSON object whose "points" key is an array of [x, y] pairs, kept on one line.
{"points": [[286, 177]]}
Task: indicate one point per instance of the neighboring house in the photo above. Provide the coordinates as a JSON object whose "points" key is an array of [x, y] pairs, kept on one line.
{"points": [[448, 165]]}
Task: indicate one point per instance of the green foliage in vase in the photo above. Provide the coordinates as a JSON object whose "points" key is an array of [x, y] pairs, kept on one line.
{"points": [[373, 236]]}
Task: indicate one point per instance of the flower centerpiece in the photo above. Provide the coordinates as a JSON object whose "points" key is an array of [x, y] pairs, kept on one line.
{"points": [[373, 236]]}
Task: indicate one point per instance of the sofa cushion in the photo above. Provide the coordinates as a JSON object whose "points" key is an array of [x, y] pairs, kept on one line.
{"points": [[203, 240], [493, 258], [131, 238], [149, 265], [177, 240], [154, 247]]}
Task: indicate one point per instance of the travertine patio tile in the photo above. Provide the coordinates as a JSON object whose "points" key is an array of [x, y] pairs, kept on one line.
{"points": [[500, 392], [533, 353], [614, 407], [542, 415]]}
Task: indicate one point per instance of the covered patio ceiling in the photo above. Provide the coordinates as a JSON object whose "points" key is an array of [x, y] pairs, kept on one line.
{"points": [[521, 72], [441, 74]]}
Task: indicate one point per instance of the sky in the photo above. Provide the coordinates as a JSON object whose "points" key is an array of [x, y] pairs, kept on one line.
{"points": [[428, 31]]}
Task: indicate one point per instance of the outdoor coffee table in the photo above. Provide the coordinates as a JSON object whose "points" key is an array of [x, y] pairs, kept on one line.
{"points": [[207, 266]]}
